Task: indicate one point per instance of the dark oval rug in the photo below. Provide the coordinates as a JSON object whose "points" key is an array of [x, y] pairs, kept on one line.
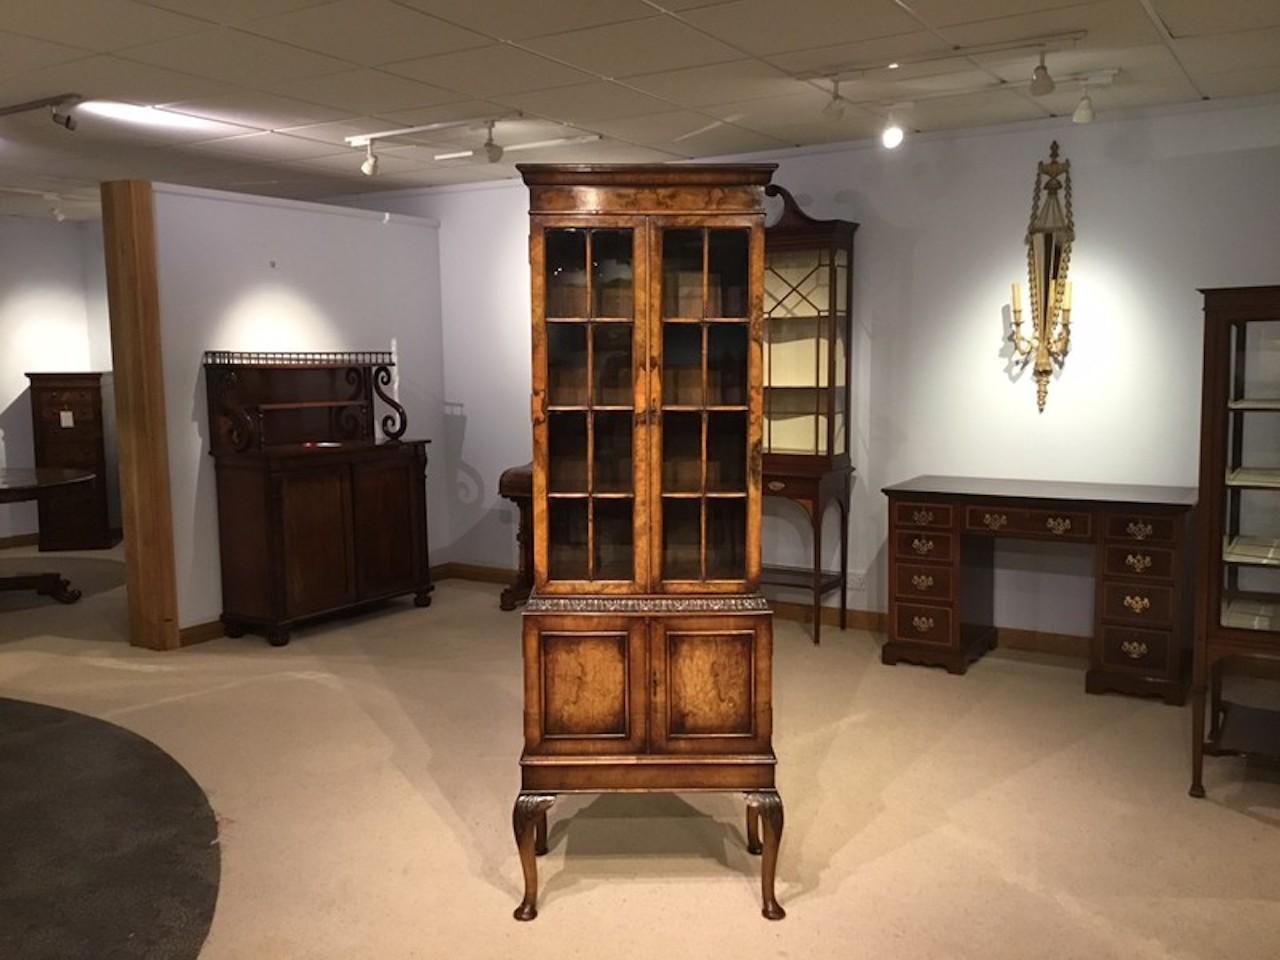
{"points": [[108, 847]]}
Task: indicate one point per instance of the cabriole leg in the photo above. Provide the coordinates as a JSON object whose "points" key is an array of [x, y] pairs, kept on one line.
{"points": [[753, 830], [768, 807], [530, 809]]}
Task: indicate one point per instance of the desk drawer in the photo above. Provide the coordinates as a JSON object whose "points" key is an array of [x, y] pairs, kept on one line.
{"points": [[1137, 602], [924, 545], [1057, 525], [1132, 528], [987, 519], [936, 515], [1129, 648], [923, 624], [921, 582], [1145, 563]]}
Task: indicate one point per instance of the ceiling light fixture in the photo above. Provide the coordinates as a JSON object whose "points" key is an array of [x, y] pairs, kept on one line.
{"points": [[492, 152], [834, 108], [517, 147], [364, 139], [370, 165], [895, 65], [1041, 83], [1084, 109], [144, 116], [55, 205], [891, 136], [62, 115]]}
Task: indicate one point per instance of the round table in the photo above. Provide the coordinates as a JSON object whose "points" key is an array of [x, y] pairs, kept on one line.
{"points": [[18, 484]]}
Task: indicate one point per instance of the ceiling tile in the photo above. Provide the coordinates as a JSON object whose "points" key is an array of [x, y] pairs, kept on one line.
{"points": [[109, 78], [973, 110], [21, 54], [341, 164], [522, 19], [717, 141], [946, 13], [604, 152], [1189, 18], [853, 126], [1241, 83], [762, 27], [463, 110], [231, 12], [370, 32], [101, 25], [488, 71], [802, 104], [864, 53], [338, 131], [737, 80], [1113, 23], [1231, 51], [267, 147], [636, 47], [584, 102], [370, 92], [655, 128], [266, 111], [227, 54]]}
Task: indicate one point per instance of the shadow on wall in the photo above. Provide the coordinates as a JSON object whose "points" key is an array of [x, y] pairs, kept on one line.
{"points": [[471, 519], [16, 451]]}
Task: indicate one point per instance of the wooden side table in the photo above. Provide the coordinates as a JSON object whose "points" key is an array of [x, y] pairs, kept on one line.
{"points": [[18, 485], [516, 485]]}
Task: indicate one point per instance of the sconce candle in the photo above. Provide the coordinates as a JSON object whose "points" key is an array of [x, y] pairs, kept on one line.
{"points": [[1049, 238]]}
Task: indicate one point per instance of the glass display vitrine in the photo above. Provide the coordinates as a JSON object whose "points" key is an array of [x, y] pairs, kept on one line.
{"points": [[1238, 580], [808, 289]]}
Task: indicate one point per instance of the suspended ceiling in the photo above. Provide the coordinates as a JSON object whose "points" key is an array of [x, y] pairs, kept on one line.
{"points": [[279, 84]]}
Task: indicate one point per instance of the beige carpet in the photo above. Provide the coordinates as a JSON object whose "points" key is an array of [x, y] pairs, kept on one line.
{"points": [[363, 778]]}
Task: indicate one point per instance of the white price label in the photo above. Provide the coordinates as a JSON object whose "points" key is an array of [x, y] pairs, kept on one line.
{"points": [[66, 418]]}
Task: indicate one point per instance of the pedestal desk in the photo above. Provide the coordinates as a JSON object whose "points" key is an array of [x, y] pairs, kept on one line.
{"points": [[942, 533]]}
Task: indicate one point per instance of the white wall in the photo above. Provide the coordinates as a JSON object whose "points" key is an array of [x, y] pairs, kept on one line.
{"points": [[45, 267], [238, 272], [1165, 202]]}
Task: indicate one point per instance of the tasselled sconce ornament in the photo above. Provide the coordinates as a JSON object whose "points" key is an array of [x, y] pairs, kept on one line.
{"points": [[1049, 238]]}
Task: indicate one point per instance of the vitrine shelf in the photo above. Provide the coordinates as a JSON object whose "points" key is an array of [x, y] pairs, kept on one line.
{"points": [[1238, 570], [647, 647], [808, 292]]}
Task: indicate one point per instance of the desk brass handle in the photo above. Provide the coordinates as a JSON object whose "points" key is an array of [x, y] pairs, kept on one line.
{"points": [[1138, 562], [922, 581], [776, 485], [922, 547], [995, 521], [1140, 531], [1058, 525], [922, 624], [1137, 604], [922, 516], [1134, 649]]}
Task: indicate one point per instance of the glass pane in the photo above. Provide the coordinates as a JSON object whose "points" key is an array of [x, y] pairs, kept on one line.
{"points": [[567, 452], [791, 420], [612, 364], [612, 473], [681, 364], [682, 273], [567, 539], [566, 258], [796, 283], [842, 282], [729, 266], [727, 364], [567, 364], [611, 279], [842, 352], [792, 356], [726, 539], [841, 433], [681, 452], [613, 535], [727, 452], [681, 535]]}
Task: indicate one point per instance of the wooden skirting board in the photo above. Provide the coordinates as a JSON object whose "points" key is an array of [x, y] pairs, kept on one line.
{"points": [[19, 540]]}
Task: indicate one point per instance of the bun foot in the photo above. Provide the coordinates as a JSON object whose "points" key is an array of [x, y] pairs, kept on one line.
{"points": [[422, 599], [278, 638], [526, 911], [773, 911], [1197, 791]]}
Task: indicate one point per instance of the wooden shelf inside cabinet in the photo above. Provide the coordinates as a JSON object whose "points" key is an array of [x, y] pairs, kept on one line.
{"points": [[647, 647], [1238, 565]]}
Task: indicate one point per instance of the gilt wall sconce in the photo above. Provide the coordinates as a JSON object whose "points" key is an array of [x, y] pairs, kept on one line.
{"points": [[1049, 238]]}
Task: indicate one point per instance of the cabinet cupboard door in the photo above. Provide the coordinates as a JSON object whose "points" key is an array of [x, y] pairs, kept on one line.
{"points": [[387, 510], [711, 690], [315, 519], [585, 681]]}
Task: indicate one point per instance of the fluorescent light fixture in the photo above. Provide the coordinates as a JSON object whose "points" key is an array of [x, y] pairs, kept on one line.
{"points": [[364, 139], [457, 155], [516, 147], [144, 116], [895, 65]]}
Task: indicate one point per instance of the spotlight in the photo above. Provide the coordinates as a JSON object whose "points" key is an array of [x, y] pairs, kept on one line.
{"points": [[895, 65], [492, 152], [891, 135], [1084, 109], [834, 109], [55, 206], [1041, 83], [370, 165], [63, 116]]}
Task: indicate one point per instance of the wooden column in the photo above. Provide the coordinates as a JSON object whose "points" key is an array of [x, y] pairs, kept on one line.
{"points": [[128, 227]]}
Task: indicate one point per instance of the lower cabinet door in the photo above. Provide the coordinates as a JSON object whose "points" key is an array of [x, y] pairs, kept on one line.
{"points": [[315, 520], [711, 684], [387, 511], [585, 684]]}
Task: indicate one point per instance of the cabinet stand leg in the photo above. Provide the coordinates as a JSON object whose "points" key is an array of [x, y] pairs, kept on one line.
{"points": [[1197, 741], [768, 807], [817, 572], [540, 833], [530, 810], [844, 565], [753, 830]]}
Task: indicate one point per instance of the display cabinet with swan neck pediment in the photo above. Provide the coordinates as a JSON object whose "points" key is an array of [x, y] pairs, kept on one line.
{"points": [[647, 646]]}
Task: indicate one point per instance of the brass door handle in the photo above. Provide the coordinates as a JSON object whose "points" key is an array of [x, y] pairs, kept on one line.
{"points": [[922, 516], [1058, 525], [922, 547], [922, 624], [1140, 531], [922, 582], [1138, 562], [995, 521], [1134, 649], [1137, 604]]}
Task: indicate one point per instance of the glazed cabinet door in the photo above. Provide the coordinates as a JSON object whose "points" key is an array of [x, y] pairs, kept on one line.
{"points": [[315, 532], [705, 323], [589, 404], [711, 684], [585, 684]]}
